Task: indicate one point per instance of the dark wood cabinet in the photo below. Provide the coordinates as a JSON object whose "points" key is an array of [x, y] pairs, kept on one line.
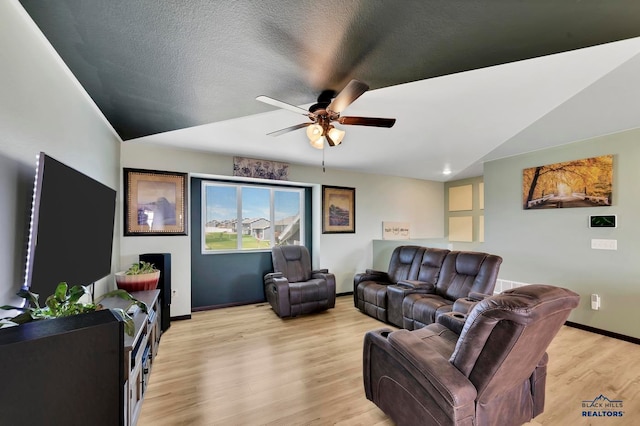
{"points": [[79, 370], [139, 350], [63, 371]]}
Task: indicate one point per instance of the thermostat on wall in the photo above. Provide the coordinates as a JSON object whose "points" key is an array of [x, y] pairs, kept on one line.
{"points": [[605, 221]]}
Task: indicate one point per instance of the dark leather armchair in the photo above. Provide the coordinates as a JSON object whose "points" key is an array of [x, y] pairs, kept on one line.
{"points": [[370, 287], [494, 373], [463, 276], [294, 288]]}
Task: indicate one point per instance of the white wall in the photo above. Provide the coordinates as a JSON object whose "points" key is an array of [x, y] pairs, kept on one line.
{"points": [[378, 198], [42, 108]]}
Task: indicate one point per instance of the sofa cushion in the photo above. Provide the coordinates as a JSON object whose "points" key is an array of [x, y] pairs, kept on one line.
{"points": [[431, 264], [405, 263], [293, 261], [466, 272], [423, 309]]}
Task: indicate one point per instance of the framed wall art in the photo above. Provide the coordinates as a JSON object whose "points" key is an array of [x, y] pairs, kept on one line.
{"points": [[580, 183], [263, 169], [338, 210], [396, 230], [154, 202]]}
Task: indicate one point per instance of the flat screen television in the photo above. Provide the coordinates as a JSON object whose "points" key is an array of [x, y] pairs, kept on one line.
{"points": [[71, 231]]}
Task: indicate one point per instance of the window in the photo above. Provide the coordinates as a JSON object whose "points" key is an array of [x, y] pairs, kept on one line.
{"points": [[241, 217]]}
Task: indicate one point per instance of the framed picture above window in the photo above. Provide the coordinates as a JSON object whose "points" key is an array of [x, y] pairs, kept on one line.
{"points": [[154, 203], [338, 210]]}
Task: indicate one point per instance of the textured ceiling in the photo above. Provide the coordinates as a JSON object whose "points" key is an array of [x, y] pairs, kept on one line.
{"points": [[193, 69]]}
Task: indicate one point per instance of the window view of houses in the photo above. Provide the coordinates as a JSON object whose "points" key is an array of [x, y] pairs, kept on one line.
{"points": [[242, 217]]}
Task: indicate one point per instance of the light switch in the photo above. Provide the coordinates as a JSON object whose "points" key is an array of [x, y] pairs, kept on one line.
{"points": [[599, 244]]}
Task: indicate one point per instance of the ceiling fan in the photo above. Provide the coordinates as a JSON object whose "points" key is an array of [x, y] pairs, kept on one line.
{"points": [[326, 111]]}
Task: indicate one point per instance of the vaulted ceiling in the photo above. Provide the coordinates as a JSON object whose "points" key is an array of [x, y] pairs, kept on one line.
{"points": [[466, 81]]}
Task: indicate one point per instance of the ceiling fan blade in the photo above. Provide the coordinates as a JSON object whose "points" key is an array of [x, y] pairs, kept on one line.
{"points": [[329, 140], [350, 93], [368, 121], [283, 105], [288, 129]]}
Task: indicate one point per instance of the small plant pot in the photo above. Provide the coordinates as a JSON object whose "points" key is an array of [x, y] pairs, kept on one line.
{"points": [[138, 282]]}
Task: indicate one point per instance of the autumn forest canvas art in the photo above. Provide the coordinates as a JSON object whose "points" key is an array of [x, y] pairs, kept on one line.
{"points": [[580, 183]]}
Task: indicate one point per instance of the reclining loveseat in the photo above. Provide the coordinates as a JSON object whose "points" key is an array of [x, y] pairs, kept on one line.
{"points": [[423, 283]]}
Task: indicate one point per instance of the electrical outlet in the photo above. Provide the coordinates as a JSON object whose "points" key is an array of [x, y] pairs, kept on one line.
{"points": [[595, 302]]}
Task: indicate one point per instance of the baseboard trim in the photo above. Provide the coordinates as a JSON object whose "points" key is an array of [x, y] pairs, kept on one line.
{"points": [[604, 332], [348, 293], [181, 317], [226, 305]]}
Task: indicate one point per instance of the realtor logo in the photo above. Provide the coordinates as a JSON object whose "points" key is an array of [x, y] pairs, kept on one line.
{"points": [[601, 406]]}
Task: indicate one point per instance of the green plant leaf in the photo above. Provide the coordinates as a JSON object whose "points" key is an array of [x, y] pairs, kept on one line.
{"points": [[123, 294], [129, 326], [52, 304], [32, 298], [61, 292], [12, 308], [76, 292], [141, 267], [22, 318]]}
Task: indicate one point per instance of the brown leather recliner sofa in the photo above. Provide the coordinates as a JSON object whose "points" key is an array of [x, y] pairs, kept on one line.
{"points": [[423, 283], [493, 373]]}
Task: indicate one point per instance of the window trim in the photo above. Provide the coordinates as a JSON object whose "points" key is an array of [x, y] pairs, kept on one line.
{"points": [[239, 184]]}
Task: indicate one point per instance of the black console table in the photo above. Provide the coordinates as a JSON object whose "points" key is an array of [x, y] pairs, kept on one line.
{"points": [[65, 370]]}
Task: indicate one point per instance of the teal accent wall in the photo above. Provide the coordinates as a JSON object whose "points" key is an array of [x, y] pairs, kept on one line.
{"points": [[223, 279]]}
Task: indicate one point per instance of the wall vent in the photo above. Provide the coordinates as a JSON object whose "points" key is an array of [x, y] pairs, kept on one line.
{"points": [[502, 285]]}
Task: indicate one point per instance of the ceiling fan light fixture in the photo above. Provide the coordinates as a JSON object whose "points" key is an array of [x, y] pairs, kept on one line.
{"points": [[318, 143], [314, 132], [336, 135]]}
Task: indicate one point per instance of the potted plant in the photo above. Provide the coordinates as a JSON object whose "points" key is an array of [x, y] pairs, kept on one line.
{"points": [[66, 302], [140, 276]]}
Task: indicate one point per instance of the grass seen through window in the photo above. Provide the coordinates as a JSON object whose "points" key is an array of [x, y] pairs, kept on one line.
{"points": [[227, 241]]}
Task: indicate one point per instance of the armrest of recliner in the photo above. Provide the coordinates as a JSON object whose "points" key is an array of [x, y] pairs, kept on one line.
{"points": [[478, 296], [454, 321], [272, 277], [418, 286], [331, 284], [371, 275], [279, 285], [465, 304], [323, 273], [441, 382], [445, 377], [279, 281]]}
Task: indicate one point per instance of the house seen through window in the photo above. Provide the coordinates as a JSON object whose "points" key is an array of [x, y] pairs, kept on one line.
{"points": [[250, 217]]}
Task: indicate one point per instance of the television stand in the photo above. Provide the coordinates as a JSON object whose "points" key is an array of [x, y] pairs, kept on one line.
{"points": [[139, 350]]}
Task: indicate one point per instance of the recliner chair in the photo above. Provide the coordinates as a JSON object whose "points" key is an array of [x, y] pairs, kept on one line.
{"points": [[464, 275], [294, 288], [493, 373]]}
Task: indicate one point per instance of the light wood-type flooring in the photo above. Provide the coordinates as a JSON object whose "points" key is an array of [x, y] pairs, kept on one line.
{"points": [[245, 366]]}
